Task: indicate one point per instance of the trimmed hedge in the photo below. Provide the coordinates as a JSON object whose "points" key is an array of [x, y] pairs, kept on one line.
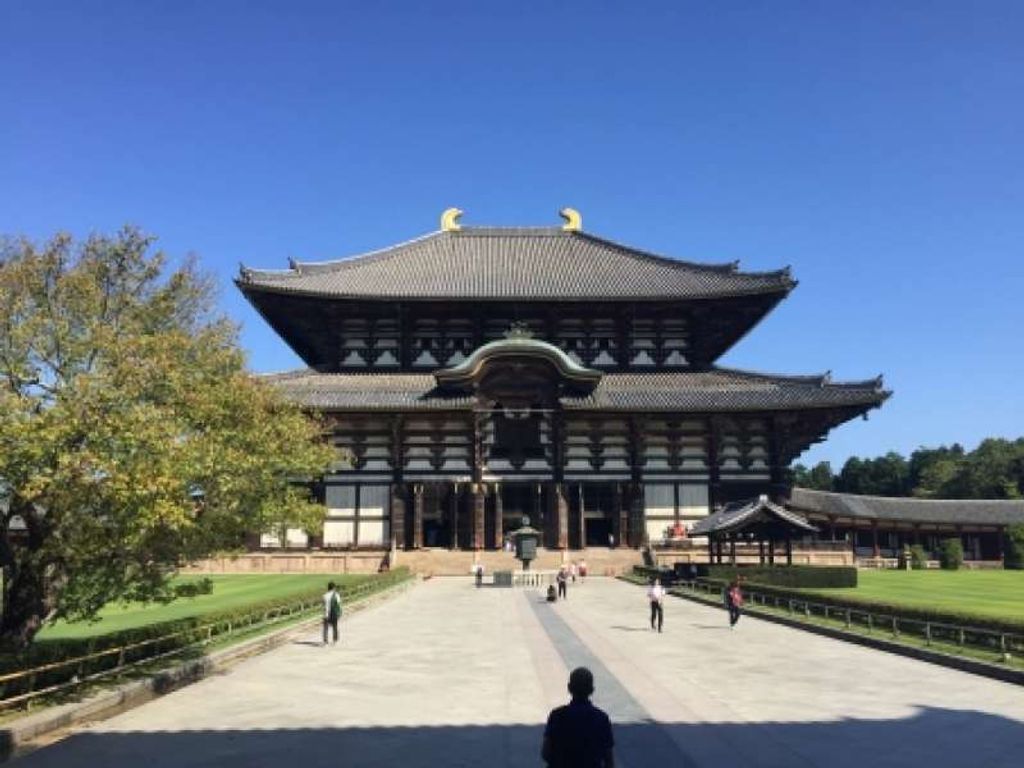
{"points": [[1013, 559], [1012, 626], [951, 554], [806, 576], [795, 576], [918, 558], [192, 630]]}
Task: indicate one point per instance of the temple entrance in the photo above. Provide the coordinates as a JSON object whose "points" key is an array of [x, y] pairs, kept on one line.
{"points": [[518, 499], [592, 511], [599, 508]]}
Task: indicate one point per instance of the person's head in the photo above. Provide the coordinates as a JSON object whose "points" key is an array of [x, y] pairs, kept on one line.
{"points": [[581, 683], [330, 586]]}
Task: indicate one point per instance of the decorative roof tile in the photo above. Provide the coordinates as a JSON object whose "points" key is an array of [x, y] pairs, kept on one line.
{"points": [[714, 390], [741, 514], [938, 511], [514, 263]]}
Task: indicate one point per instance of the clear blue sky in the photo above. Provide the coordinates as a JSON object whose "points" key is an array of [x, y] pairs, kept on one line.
{"points": [[876, 147]]}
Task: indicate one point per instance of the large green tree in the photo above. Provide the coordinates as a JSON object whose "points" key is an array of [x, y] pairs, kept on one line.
{"points": [[132, 438]]}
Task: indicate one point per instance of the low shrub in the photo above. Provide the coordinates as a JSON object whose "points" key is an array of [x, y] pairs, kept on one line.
{"points": [[1013, 547], [796, 576], [951, 554], [918, 558]]}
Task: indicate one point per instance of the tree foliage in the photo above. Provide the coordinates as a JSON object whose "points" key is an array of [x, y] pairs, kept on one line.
{"points": [[132, 439], [994, 470]]}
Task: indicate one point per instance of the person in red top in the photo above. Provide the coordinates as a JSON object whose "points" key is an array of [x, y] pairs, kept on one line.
{"points": [[733, 601]]}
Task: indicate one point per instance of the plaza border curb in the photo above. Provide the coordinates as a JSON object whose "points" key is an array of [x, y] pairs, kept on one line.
{"points": [[22, 731], [974, 666]]}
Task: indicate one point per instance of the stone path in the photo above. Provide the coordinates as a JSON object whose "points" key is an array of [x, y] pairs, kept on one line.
{"points": [[448, 675]]}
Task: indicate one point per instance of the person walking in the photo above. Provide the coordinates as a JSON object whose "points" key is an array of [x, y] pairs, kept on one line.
{"points": [[562, 578], [332, 612], [578, 734], [479, 574], [656, 596], [583, 570], [733, 601]]}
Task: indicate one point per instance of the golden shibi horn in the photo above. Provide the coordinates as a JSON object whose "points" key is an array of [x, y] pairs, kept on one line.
{"points": [[573, 220], [450, 220]]}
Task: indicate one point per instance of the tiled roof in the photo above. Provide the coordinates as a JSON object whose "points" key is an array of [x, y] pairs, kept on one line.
{"points": [[514, 263], [948, 511], [715, 390], [739, 515]]}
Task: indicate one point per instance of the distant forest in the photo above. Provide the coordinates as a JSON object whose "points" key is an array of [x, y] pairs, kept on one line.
{"points": [[994, 470]]}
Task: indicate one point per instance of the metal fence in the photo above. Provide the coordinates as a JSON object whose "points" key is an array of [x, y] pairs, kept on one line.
{"points": [[23, 686], [1000, 643]]}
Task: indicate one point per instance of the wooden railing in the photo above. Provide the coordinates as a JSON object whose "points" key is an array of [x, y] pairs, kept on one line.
{"points": [[1003, 645]]}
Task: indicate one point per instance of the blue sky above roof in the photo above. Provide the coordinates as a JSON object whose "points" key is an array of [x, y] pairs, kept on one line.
{"points": [[875, 147]]}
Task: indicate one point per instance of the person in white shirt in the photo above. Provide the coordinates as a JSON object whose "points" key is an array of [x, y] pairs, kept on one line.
{"points": [[655, 595], [332, 611]]}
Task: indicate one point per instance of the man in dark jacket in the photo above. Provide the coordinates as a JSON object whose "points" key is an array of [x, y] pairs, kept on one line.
{"points": [[578, 735]]}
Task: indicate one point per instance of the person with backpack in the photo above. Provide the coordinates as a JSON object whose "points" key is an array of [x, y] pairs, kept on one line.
{"points": [[332, 611], [733, 601]]}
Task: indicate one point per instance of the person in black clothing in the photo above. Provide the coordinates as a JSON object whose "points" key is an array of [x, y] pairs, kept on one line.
{"points": [[562, 578], [578, 735]]}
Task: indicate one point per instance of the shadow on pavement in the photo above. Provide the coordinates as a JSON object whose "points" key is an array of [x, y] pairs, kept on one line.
{"points": [[930, 737]]}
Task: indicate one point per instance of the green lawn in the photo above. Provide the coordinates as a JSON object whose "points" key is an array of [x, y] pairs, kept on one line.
{"points": [[996, 594], [229, 591]]}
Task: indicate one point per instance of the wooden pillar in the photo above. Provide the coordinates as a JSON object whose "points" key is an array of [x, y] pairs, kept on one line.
{"points": [[581, 522], [622, 523], [1001, 543], [399, 490], [453, 516], [789, 550], [771, 551], [874, 539], [718, 546], [355, 523], [732, 548], [417, 515], [831, 528], [498, 516], [711, 550], [478, 500], [560, 508], [637, 522], [760, 551]]}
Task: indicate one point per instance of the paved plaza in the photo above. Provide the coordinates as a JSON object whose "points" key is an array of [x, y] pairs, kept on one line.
{"points": [[449, 675]]}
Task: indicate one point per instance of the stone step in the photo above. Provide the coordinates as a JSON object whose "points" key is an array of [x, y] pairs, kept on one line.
{"points": [[445, 562]]}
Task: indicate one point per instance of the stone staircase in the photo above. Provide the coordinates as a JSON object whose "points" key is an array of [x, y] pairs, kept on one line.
{"points": [[601, 561]]}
